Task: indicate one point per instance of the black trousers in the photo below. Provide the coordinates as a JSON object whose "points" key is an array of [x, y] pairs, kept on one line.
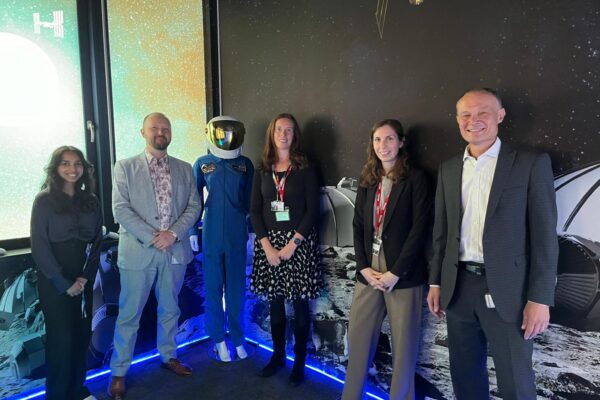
{"points": [[301, 327], [471, 326], [68, 327]]}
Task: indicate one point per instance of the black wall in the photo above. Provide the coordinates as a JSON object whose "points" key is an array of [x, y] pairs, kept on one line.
{"points": [[325, 62]]}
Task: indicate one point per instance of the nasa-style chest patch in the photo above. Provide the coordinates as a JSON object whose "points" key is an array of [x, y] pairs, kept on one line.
{"points": [[208, 168], [239, 167]]}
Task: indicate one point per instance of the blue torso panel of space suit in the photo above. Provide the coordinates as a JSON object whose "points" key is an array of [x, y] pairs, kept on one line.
{"points": [[229, 186]]}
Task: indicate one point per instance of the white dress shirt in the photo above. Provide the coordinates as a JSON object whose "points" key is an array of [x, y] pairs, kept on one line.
{"points": [[477, 177]]}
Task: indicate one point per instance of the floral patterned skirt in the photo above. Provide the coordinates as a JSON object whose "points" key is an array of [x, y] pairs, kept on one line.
{"points": [[298, 278]]}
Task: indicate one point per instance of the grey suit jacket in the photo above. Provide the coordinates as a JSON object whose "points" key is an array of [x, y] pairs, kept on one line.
{"points": [[135, 209], [520, 245]]}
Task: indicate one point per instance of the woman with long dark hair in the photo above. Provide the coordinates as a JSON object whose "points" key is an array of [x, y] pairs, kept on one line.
{"points": [[284, 211], [391, 220], [66, 233]]}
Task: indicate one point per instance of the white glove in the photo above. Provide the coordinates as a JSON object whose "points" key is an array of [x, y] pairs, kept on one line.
{"points": [[194, 242]]}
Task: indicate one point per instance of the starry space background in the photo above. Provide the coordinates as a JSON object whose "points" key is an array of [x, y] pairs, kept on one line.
{"points": [[37, 113], [157, 64], [325, 62]]}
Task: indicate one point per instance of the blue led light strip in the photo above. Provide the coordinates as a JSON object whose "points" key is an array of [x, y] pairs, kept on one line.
{"points": [[150, 356], [312, 367], [97, 374]]}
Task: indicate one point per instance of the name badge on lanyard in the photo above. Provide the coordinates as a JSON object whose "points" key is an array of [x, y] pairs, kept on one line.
{"points": [[277, 205], [379, 213], [376, 245], [282, 213], [282, 216]]}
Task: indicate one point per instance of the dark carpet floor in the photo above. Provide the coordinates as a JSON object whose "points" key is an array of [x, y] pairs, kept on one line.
{"points": [[217, 380]]}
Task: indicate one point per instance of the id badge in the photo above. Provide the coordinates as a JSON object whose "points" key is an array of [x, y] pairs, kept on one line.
{"points": [[277, 205], [489, 303], [282, 216], [376, 246]]}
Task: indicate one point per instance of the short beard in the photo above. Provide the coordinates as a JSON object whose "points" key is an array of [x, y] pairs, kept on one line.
{"points": [[161, 147]]}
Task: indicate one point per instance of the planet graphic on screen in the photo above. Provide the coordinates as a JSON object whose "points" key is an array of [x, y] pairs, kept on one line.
{"points": [[29, 82]]}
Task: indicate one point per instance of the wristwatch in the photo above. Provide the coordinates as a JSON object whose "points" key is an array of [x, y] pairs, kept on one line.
{"points": [[297, 241], [174, 235]]}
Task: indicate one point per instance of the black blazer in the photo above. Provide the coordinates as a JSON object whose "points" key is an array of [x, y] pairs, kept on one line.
{"points": [[406, 227], [520, 244]]}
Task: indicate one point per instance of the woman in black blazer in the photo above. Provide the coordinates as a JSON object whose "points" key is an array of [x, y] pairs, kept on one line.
{"points": [[391, 224]]}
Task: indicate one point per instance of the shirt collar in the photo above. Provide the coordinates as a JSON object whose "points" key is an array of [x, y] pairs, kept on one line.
{"points": [[493, 151], [149, 157]]}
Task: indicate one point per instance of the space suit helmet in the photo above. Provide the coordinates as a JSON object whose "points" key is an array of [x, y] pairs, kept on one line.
{"points": [[225, 136]]}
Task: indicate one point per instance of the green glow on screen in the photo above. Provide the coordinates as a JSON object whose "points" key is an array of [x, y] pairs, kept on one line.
{"points": [[157, 64], [40, 100]]}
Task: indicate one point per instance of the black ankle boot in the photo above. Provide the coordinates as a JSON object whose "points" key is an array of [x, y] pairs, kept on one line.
{"points": [[297, 376], [301, 331], [278, 323], [275, 364]]}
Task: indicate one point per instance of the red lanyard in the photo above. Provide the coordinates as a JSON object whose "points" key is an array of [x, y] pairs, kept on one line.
{"points": [[379, 209], [280, 185]]}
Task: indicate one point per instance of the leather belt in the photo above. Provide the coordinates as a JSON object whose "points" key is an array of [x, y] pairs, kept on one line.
{"points": [[472, 267]]}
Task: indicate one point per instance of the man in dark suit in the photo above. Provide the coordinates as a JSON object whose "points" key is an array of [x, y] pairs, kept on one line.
{"points": [[495, 252], [155, 201]]}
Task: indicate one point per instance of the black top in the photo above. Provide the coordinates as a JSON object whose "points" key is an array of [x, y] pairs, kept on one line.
{"points": [[48, 226], [405, 232], [301, 195]]}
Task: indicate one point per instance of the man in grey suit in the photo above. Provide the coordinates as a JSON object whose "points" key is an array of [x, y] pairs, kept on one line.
{"points": [[155, 201], [495, 253]]}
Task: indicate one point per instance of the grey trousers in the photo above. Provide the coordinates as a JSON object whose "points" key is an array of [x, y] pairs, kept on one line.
{"points": [[369, 308], [135, 289]]}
